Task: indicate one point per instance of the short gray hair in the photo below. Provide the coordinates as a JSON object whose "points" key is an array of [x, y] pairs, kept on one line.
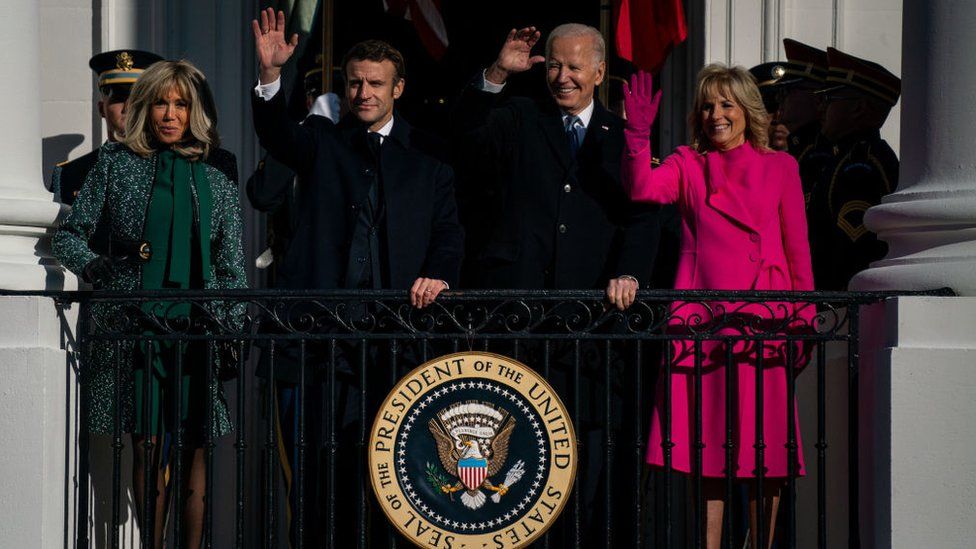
{"points": [[572, 30]]}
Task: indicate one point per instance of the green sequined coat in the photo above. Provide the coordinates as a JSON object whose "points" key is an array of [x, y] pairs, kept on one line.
{"points": [[117, 193]]}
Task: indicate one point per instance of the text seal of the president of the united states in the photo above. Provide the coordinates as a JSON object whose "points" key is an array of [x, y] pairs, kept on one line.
{"points": [[472, 450]]}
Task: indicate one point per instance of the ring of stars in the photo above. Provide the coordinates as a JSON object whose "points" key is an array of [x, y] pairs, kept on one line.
{"points": [[536, 479]]}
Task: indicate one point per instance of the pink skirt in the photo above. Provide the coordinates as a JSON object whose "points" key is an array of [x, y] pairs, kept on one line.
{"points": [[774, 425]]}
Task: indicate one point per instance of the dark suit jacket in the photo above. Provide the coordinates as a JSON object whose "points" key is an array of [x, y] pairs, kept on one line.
{"points": [[270, 189], [423, 235], [565, 222]]}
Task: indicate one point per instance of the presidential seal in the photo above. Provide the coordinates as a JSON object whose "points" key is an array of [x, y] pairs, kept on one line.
{"points": [[472, 450]]}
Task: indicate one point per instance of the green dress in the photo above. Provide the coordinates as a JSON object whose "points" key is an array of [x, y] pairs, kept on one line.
{"points": [[117, 193], [179, 230]]}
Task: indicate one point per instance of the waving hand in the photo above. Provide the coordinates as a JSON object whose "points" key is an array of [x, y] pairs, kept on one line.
{"points": [[269, 41], [515, 55], [641, 104]]}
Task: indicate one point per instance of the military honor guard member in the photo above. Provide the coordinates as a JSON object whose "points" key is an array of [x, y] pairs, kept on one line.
{"points": [[799, 109], [767, 77], [857, 99], [117, 71]]}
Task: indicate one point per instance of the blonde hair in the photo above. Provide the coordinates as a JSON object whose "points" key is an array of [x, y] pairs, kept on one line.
{"points": [[155, 83], [735, 83]]}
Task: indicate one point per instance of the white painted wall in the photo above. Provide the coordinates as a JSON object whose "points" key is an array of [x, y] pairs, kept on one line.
{"points": [[749, 32]]}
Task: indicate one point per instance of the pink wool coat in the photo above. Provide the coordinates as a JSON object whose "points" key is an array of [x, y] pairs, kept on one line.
{"points": [[743, 228]]}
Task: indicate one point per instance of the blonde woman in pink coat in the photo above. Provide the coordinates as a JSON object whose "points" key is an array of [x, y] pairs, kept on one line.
{"points": [[743, 228]]}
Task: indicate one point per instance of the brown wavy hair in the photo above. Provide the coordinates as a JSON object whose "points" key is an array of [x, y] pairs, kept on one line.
{"points": [[735, 83], [377, 51], [155, 83]]}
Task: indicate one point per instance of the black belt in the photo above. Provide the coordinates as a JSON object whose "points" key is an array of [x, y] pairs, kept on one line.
{"points": [[135, 251]]}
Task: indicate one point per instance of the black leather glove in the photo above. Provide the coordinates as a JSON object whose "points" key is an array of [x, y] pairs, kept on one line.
{"points": [[98, 271]]}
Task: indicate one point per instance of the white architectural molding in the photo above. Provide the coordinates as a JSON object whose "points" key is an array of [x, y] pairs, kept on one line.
{"points": [[930, 222]]}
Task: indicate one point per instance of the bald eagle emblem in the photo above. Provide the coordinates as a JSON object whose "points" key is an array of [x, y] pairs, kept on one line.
{"points": [[124, 61], [472, 444]]}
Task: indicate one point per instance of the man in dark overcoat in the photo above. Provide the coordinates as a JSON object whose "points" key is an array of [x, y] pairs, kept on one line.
{"points": [[376, 210], [565, 222], [373, 211]]}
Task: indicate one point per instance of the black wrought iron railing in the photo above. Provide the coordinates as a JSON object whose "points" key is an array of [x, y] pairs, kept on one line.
{"points": [[334, 355]]}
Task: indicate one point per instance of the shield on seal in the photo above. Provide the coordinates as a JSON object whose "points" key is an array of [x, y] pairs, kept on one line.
{"points": [[472, 472]]}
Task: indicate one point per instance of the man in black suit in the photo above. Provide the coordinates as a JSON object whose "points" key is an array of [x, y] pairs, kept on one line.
{"points": [[378, 212], [373, 211], [565, 223]]}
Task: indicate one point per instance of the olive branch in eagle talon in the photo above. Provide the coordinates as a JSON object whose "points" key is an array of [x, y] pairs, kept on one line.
{"points": [[438, 480], [472, 443]]}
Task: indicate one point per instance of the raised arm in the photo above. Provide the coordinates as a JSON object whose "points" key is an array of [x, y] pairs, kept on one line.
{"points": [[482, 124], [515, 55], [269, 41], [644, 185], [285, 139]]}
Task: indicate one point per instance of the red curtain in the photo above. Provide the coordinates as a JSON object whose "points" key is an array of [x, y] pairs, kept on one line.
{"points": [[647, 30]]}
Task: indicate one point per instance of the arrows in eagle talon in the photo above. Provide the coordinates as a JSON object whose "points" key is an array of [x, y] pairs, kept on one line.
{"points": [[513, 476]]}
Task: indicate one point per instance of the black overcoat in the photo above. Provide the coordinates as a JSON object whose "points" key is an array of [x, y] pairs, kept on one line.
{"points": [[564, 221], [423, 236]]}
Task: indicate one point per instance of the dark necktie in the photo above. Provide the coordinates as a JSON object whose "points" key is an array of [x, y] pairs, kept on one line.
{"points": [[574, 133], [375, 141]]}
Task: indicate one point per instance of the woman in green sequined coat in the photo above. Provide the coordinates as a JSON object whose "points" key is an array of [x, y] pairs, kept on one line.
{"points": [[156, 188]]}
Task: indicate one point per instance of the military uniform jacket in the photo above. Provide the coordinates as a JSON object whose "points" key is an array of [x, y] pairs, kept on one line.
{"points": [[812, 152], [118, 191], [68, 177], [862, 170], [422, 235], [565, 222]]}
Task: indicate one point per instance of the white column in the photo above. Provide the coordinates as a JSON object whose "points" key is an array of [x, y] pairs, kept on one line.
{"points": [[37, 389], [930, 222], [918, 461], [27, 211]]}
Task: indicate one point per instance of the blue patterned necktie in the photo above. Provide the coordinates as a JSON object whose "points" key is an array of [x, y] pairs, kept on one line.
{"points": [[574, 133]]}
